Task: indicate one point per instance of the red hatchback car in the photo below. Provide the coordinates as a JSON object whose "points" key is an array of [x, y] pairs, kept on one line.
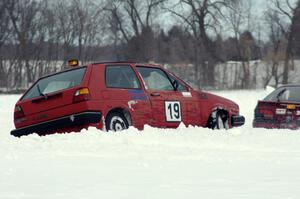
{"points": [[116, 95], [280, 109]]}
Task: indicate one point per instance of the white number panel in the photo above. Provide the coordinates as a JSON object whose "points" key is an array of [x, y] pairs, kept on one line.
{"points": [[173, 111]]}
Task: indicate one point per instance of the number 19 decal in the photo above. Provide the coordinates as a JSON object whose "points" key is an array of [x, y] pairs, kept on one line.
{"points": [[173, 111]]}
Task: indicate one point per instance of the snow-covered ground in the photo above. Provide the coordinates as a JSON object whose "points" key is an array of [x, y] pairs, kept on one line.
{"points": [[181, 163]]}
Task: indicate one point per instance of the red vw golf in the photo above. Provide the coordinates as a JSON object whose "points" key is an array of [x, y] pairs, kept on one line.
{"points": [[280, 109], [116, 95]]}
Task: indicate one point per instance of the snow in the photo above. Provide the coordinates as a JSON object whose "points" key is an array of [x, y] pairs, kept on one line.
{"points": [[156, 163]]}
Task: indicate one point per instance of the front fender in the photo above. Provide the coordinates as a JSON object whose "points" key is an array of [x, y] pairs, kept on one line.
{"points": [[209, 103]]}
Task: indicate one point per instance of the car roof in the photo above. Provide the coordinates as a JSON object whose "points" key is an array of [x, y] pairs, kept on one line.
{"points": [[104, 62], [289, 85], [127, 62], [114, 62]]}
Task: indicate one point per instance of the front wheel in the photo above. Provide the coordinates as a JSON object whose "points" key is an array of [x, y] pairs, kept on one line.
{"points": [[221, 121], [116, 122]]}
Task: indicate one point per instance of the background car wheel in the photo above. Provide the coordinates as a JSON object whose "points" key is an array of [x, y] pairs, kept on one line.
{"points": [[116, 122]]}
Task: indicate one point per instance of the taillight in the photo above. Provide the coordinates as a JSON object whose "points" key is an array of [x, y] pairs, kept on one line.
{"points": [[266, 113], [18, 113], [82, 94]]}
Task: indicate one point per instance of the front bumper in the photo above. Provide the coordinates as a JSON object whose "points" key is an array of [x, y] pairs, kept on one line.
{"points": [[70, 121], [237, 121]]}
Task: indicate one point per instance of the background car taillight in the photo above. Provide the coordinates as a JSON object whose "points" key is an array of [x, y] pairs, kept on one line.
{"points": [[264, 113], [18, 113], [82, 94]]}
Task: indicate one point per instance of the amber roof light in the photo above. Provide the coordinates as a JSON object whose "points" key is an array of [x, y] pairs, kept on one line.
{"points": [[73, 63]]}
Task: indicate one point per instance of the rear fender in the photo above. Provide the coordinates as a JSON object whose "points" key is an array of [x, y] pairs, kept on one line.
{"points": [[123, 110]]}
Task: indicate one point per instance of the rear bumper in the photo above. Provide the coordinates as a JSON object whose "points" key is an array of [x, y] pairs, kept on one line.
{"points": [[74, 120], [237, 121], [273, 124]]}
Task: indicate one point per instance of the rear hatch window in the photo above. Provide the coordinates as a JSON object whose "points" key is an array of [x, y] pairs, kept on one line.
{"points": [[56, 83]]}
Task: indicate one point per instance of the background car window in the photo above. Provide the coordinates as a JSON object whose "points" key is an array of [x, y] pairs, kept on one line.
{"points": [[286, 94], [273, 95], [121, 77], [155, 79], [291, 94], [56, 82]]}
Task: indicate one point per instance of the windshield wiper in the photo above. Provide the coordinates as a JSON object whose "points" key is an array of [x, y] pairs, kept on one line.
{"points": [[40, 93]]}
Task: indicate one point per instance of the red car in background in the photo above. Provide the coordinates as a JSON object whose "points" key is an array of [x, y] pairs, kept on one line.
{"points": [[280, 109], [116, 95]]}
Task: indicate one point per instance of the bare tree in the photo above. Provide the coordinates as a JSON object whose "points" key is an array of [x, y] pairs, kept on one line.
{"points": [[239, 17], [276, 49], [286, 10], [23, 15], [39, 36], [4, 36], [49, 39], [134, 20], [65, 30], [202, 16], [87, 22]]}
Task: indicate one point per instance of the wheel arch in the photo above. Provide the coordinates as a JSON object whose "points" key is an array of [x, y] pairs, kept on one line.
{"points": [[123, 111], [212, 116]]}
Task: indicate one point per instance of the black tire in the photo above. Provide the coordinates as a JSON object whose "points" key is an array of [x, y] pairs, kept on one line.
{"points": [[221, 121], [116, 121]]}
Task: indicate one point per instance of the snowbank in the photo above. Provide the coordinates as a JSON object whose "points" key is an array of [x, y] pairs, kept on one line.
{"points": [[156, 163]]}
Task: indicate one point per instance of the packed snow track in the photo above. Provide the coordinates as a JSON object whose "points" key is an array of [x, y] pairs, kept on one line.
{"points": [[189, 163]]}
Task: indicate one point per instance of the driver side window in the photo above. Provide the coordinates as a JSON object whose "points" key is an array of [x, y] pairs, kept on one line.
{"points": [[155, 79], [181, 87]]}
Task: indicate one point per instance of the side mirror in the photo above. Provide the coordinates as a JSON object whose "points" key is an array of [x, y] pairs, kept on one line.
{"points": [[175, 85]]}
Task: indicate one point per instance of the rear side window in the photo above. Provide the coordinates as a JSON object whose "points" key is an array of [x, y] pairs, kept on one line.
{"points": [[56, 83], [121, 77]]}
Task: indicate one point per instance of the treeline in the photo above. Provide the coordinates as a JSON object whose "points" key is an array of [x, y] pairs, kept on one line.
{"points": [[38, 37]]}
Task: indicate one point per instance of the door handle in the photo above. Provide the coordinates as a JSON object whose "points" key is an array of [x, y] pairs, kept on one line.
{"points": [[155, 94]]}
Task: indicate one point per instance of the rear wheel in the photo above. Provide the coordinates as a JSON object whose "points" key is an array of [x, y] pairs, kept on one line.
{"points": [[116, 122]]}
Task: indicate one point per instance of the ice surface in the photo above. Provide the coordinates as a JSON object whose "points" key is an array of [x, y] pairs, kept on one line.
{"points": [[179, 163]]}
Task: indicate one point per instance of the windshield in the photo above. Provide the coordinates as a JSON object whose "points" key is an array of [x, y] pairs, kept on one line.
{"points": [[55, 83]]}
